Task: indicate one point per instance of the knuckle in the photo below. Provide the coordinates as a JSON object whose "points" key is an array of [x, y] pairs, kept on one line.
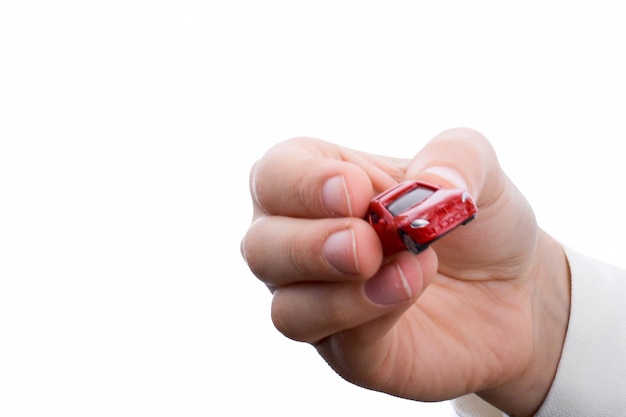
{"points": [[282, 317], [338, 313], [258, 184], [252, 252], [305, 142], [300, 256], [310, 313]]}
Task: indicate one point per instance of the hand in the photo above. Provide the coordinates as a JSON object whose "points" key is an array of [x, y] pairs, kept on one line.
{"points": [[484, 310]]}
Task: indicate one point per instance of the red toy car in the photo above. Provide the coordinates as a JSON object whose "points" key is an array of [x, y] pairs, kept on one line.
{"points": [[414, 214]]}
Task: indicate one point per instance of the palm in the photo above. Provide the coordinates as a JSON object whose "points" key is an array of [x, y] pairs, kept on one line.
{"points": [[473, 321], [452, 339]]}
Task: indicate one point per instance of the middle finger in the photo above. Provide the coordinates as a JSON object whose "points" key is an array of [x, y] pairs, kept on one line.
{"points": [[282, 250]]}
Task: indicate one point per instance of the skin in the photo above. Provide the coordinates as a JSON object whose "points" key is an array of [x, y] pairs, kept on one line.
{"points": [[484, 310]]}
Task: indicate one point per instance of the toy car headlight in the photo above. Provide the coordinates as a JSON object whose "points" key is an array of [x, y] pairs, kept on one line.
{"points": [[419, 223]]}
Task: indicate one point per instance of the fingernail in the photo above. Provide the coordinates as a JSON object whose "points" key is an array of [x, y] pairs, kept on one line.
{"points": [[340, 252], [336, 197], [448, 174], [388, 286]]}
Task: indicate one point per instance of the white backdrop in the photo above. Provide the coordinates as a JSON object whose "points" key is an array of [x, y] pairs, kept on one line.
{"points": [[127, 130]]}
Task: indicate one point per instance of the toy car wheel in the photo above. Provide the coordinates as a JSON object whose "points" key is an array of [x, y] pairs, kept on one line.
{"points": [[468, 220], [411, 245]]}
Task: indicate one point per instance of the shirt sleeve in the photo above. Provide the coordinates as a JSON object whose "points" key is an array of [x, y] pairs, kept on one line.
{"points": [[591, 376]]}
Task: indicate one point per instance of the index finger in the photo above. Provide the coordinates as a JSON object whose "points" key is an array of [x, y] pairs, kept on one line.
{"points": [[310, 178]]}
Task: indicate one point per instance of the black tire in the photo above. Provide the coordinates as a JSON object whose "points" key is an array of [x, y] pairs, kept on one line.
{"points": [[468, 220], [411, 245]]}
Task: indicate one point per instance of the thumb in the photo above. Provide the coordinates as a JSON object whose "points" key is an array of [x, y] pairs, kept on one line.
{"points": [[504, 231], [460, 158]]}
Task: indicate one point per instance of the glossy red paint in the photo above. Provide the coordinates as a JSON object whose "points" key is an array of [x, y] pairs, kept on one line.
{"points": [[413, 214]]}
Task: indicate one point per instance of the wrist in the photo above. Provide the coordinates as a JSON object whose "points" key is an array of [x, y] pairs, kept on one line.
{"points": [[550, 305]]}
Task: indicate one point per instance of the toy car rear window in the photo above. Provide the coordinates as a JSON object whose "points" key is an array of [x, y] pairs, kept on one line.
{"points": [[408, 200]]}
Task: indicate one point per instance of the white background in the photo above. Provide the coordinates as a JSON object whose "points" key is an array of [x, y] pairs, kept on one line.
{"points": [[127, 130]]}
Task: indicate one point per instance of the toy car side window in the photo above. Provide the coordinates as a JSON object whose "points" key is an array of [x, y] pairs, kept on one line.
{"points": [[408, 200], [373, 217]]}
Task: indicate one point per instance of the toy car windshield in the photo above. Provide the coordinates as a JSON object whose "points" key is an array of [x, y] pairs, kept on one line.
{"points": [[408, 200]]}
